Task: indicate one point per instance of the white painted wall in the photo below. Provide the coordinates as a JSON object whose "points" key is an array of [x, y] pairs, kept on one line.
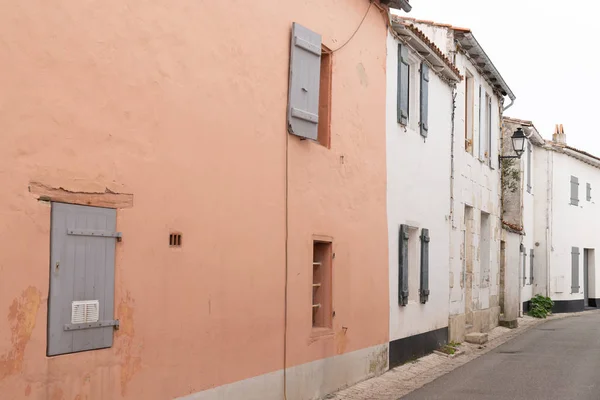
{"points": [[529, 286], [513, 283], [571, 225], [476, 184], [418, 193]]}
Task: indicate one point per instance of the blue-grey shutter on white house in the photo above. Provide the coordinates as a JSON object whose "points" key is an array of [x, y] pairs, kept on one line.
{"points": [[424, 99], [492, 139], [82, 275], [403, 84], [524, 267], [488, 120], [403, 266], [588, 191], [481, 125], [529, 155], [304, 81], [424, 265], [574, 190], [531, 257], [575, 270]]}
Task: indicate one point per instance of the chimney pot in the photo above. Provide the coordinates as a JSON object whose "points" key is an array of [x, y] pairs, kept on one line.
{"points": [[559, 136]]}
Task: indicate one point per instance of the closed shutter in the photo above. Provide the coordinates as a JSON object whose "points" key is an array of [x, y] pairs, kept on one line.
{"points": [[403, 266], [574, 190], [424, 265], [304, 80], [82, 275], [529, 167], [588, 192], [524, 267], [488, 119], [403, 84], [481, 124], [531, 256], [424, 99], [575, 270]]}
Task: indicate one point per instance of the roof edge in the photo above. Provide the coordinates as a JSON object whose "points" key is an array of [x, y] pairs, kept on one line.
{"points": [[399, 4], [496, 80], [428, 50], [580, 155], [469, 43]]}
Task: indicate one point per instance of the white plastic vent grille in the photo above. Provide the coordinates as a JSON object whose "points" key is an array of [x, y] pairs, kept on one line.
{"points": [[85, 311]]}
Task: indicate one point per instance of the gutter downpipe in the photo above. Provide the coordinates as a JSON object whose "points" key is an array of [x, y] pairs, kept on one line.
{"points": [[451, 227], [512, 101], [549, 217]]}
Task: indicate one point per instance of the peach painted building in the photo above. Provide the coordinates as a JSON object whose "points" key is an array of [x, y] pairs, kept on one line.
{"points": [[149, 184]]}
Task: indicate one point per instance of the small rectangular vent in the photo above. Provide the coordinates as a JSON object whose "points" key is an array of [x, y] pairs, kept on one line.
{"points": [[175, 240], [85, 311]]}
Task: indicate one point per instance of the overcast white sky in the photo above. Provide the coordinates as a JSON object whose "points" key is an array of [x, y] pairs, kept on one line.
{"points": [[546, 51]]}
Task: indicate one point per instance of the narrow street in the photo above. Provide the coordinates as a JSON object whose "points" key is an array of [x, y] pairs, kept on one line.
{"points": [[556, 360]]}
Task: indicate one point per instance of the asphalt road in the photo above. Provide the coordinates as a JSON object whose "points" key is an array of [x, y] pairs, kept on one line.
{"points": [[558, 360]]}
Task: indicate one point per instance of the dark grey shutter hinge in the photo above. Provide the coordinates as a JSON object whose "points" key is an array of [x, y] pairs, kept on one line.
{"points": [[89, 325], [95, 233]]}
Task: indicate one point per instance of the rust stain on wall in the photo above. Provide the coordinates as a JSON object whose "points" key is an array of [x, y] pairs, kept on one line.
{"points": [[131, 361], [21, 318]]}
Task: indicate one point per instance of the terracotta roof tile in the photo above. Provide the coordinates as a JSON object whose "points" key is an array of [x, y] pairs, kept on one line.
{"points": [[582, 152], [430, 22], [429, 43]]}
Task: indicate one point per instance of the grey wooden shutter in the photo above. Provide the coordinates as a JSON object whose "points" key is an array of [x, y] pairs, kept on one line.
{"points": [[575, 270], [524, 267], [304, 80], [488, 120], [424, 99], [588, 192], [403, 266], [424, 265], [531, 256], [528, 167], [481, 125], [574, 190], [82, 275], [403, 84]]}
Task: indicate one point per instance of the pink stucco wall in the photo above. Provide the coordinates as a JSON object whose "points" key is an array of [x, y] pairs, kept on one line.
{"points": [[183, 105]]}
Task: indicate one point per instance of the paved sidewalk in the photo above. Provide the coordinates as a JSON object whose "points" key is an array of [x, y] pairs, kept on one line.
{"points": [[404, 379]]}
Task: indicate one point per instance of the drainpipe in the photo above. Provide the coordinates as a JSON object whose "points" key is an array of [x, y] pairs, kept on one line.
{"points": [[512, 101], [549, 167], [452, 187], [452, 159]]}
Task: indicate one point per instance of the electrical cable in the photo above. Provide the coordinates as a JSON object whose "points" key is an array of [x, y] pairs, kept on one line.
{"points": [[356, 31]]}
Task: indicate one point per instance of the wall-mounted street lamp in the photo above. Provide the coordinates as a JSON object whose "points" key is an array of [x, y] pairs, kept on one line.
{"points": [[518, 144]]}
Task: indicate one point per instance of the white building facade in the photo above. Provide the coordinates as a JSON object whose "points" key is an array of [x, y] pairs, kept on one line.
{"points": [[521, 197], [420, 84], [475, 237], [566, 225], [549, 218]]}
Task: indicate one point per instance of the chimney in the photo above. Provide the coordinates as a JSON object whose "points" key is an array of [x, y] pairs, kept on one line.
{"points": [[559, 136]]}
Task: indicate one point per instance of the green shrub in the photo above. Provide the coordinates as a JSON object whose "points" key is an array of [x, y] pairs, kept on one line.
{"points": [[541, 306]]}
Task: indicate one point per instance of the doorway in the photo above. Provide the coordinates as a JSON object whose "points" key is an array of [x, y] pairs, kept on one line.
{"points": [[468, 243], [502, 274]]}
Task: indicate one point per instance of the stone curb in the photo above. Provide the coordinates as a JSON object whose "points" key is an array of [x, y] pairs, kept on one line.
{"points": [[402, 380]]}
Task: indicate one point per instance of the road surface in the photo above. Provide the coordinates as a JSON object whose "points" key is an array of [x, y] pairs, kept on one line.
{"points": [[558, 360]]}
